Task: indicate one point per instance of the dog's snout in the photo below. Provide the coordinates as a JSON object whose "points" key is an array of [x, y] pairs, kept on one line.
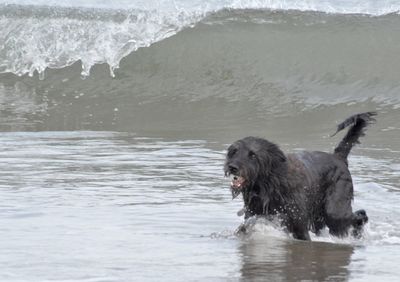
{"points": [[233, 169]]}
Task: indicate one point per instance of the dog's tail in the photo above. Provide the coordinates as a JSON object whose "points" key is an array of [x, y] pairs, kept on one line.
{"points": [[358, 123]]}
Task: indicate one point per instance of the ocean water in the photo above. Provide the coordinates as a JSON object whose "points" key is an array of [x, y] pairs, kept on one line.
{"points": [[115, 118]]}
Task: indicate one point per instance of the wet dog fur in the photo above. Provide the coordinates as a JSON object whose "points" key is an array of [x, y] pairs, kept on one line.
{"points": [[306, 190]]}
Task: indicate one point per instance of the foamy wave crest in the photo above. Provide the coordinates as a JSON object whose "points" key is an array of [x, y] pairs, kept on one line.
{"points": [[369, 7], [42, 34], [35, 38]]}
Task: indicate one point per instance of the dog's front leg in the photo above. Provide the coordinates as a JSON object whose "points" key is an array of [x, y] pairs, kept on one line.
{"points": [[301, 233], [298, 228]]}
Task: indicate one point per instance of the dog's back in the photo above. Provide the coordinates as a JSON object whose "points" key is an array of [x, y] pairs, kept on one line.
{"points": [[319, 165]]}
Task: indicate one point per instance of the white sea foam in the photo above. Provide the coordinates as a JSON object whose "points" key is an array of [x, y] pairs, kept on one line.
{"points": [[44, 39], [329, 6], [56, 34]]}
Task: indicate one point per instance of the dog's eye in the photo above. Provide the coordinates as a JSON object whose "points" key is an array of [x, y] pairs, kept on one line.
{"points": [[232, 152], [252, 155]]}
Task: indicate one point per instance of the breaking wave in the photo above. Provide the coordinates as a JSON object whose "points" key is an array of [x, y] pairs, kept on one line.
{"points": [[38, 35]]}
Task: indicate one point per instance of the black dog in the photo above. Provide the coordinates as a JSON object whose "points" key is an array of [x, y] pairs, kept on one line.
{"points": [[307, 190]]}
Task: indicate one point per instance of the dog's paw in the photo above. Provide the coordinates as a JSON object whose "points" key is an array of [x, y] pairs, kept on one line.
{"points": [[241, 230], [360, 218]]}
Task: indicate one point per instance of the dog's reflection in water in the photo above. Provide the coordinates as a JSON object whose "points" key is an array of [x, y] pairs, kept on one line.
{"points": [[265, 258]]}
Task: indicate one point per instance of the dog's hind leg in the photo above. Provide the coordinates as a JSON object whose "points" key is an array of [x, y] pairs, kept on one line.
{"points": [[338, 212]]}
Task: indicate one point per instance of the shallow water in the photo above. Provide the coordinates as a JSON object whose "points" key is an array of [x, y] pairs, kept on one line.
{"points": [[120, 178], [106, 206]]}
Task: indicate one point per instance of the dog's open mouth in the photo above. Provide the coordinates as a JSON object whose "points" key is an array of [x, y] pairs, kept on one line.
{"points": [[237, 184], [236, 181]]}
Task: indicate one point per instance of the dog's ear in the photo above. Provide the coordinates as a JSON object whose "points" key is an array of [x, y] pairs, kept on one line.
{"points": [[265, 163], [279, 160], [272, 159], [277, 157]]}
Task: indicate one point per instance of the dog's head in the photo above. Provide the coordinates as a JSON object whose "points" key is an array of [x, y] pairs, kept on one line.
{"points": [[250, 160]]}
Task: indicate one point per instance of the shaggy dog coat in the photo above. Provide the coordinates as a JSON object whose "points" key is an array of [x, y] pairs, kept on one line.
{"points": [[306, 190]]}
